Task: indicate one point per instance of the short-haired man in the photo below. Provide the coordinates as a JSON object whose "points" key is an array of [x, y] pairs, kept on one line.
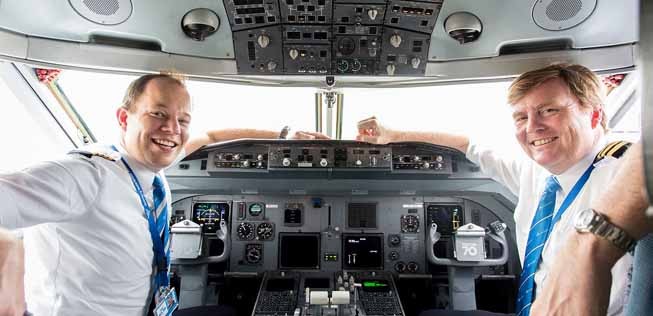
{"points": [[102, 246], [560, 124]]}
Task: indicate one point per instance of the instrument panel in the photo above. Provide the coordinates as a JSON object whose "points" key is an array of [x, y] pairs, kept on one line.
{"points": [[263, 156], [333, 233], [329, 37]]}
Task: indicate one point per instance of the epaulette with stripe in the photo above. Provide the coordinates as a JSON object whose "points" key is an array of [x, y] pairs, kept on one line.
{"points": [[614, 149], [108, 155]]}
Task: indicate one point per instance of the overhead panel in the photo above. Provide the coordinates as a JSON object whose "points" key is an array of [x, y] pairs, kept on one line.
{"points": [[332, 37]]}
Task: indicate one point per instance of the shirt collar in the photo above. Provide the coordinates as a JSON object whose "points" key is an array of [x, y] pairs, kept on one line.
{"points": [[569, 178], [144, 175]]}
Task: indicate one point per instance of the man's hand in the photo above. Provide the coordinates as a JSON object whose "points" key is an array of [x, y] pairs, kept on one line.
{"points": [[12, 271], [579, 283], [371, 131], [309, 135]]}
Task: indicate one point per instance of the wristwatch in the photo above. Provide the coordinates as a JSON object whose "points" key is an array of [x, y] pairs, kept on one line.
{"points": [[284, 132], [591, 221]]}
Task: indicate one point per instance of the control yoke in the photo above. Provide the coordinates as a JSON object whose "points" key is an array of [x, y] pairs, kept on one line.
{"points": [[186, 243], [470, 245]]}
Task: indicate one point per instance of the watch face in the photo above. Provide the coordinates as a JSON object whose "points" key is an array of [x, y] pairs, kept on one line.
{"points": [[584, 218]]}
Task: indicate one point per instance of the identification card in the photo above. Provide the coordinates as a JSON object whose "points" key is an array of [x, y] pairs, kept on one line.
{"points": [[166, 299]]}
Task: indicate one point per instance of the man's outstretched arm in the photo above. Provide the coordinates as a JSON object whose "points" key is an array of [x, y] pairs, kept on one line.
{"points": [[371, 131], [579, 283], [220, 135]]}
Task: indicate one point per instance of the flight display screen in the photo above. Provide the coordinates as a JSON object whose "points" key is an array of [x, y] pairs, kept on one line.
{"points": [[209, 214], [299, 251], [364, 251]]}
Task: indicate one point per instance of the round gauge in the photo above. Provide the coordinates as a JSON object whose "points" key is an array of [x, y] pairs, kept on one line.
{"points": [[264, 231], [255, 209], [253, 253], [409, 224], [245, 231]]}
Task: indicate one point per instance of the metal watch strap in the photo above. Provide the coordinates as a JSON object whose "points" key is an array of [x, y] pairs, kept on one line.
{"points": [[284, 132], [602, 227]]}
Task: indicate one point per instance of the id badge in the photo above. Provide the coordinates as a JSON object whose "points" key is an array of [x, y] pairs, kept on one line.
{"points": [[166, 299]]}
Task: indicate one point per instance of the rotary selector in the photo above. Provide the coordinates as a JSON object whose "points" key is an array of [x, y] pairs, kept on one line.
{"points": [[264, 231], [394, 240], [412, 267], [409, 223], [245, 231]]}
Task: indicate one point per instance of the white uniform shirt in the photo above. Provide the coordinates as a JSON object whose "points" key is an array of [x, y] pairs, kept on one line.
{"points": [[526, 179], [94, 254]]}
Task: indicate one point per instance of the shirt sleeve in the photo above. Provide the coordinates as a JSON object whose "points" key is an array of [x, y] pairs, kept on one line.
{"points": [[503, 169], [54, 191]]}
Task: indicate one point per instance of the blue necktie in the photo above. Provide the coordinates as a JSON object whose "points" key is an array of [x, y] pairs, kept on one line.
{"points": [[537, 236], [161, 214]]}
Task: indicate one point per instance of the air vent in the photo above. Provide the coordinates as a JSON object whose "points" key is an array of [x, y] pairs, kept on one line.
{"points": [[558, 15], [105, 12]]}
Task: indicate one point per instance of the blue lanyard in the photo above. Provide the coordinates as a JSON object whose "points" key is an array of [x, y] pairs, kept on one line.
{"points": [[571, 196], [157, 242]]}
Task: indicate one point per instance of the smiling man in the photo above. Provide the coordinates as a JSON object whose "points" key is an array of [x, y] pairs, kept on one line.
{"points": [[560, 125], [93, 253]]}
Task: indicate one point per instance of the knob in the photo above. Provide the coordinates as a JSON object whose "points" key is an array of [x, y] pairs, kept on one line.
{"points": [[395, 40], [415, 61], [372, 14], [394, 255], [263, 40], [272, 66], [259, 157], [246, 164], [293, 53], [400, 267], [412, 267], [395, 240], [286, 162], [358, 162], [324, 162], [259, 164], [390, 68], [426, 165], [237, 157], [416, 159], [438, 158]]}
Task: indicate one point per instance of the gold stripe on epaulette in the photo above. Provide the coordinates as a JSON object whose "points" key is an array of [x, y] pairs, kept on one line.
{"points": [[613, 150], [607, 148]]}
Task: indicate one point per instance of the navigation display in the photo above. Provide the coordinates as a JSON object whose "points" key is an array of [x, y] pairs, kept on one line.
{"points": [[299, 251], [362, 251]]}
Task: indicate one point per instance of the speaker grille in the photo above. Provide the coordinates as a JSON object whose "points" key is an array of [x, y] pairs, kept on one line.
{"points": [[558, 15], [105, 12], [561, 10], [102, 7]]}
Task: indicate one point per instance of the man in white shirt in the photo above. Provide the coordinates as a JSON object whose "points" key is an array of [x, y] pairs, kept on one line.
{"points": [[579, 281], [560, 125], [93, 253], [89, 247]]}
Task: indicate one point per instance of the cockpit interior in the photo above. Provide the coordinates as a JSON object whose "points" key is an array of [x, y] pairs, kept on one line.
{"points": [[338, 227]]}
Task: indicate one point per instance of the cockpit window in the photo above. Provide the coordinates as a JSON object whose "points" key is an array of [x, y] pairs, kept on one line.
{"points": [[477, 110]]}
